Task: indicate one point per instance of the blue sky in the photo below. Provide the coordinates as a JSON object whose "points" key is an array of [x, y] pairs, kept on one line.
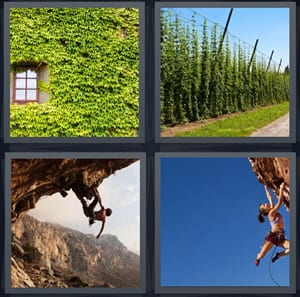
{"points": [[269, 25], [209, 232]]}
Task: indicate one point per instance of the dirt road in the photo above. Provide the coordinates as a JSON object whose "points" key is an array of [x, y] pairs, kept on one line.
{"points": [[279, 128]]}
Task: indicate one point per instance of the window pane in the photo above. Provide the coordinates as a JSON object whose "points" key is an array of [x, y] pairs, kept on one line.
{"points": [[31, 73], [31, 95], [20, 83], [20, 94], [21, 74], [31, 83]]}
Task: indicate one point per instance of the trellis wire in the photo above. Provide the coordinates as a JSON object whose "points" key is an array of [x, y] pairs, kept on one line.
{"points": [[259, 55]]}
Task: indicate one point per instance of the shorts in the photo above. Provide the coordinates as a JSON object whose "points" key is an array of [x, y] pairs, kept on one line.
{"points": [[276, 238]]}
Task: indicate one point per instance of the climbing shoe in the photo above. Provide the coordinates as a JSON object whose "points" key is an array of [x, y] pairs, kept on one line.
{"points": [[257, 262], [276, 257]]}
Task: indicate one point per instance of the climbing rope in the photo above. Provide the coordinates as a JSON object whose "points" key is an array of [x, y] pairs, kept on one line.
{"points": [[274, 281]]}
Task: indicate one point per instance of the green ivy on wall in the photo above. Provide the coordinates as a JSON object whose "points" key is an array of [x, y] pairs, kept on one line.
{"points": [[93, 60]]}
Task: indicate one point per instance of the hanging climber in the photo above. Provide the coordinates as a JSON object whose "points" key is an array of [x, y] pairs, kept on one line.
{"points": [[276, 236], [96, 215]]}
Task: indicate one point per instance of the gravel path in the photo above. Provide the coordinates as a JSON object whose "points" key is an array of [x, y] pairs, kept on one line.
{"points": [[279, 128]]}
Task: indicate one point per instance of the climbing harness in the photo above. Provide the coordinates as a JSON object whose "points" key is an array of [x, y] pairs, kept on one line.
{"points": [[274, 281]]}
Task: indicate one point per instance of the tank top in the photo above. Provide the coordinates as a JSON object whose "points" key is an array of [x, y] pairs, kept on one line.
{"points": [[277, 219]]}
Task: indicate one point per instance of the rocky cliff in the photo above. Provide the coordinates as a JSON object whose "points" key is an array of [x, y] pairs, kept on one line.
{"points": [[46, 255], [272, 172], [33, 178]]}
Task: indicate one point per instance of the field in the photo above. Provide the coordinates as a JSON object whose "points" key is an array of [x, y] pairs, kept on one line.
{"points": [[206, 75], [234, 125]]}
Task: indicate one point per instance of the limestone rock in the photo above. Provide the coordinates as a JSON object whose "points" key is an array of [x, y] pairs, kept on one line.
{"points": [[33, 178], [272, 172], [57, 257], [19, 278]]}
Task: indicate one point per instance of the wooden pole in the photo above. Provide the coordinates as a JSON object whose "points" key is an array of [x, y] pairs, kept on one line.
{"points": [[270, 60], [253, 53], [225, 30], [279, 65]]}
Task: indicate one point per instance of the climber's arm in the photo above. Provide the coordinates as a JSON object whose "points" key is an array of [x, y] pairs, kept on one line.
{"points": [[101, 230], [281, 192], [274, 210], [269, 196]]}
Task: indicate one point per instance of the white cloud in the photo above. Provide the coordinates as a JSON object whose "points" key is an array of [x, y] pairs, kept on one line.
{"points": [[122, 188]]}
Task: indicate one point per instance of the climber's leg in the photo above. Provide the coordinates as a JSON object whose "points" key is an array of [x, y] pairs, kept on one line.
{"points": [[85, 207], [263, 251], [93, 205], [89, 210], [286, 246], [97, 195]]}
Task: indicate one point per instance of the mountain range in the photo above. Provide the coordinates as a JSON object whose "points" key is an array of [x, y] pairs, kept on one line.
{"points": [[46, 255]]}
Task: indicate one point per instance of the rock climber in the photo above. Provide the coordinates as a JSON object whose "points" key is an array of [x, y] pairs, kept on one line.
{"points": [[276, 236], [96, 215]]}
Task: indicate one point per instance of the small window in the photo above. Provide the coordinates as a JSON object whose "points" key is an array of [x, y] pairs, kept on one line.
{"points": [[25, 85]]}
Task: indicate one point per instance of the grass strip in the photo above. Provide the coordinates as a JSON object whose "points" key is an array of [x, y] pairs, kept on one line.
{"points": [[243, 124]]}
